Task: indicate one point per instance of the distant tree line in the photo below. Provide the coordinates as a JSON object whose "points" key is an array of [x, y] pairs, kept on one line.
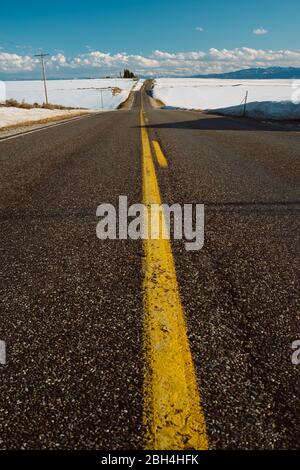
{"points": [[128, 74]]}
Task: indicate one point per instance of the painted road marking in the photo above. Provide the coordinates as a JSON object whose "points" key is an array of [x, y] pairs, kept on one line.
{"points": [[159, 154], [49, 126], [2, 353], [173, 415]]}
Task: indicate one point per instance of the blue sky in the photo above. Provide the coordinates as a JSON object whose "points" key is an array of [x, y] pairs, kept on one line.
{"points": [[72, 30]]}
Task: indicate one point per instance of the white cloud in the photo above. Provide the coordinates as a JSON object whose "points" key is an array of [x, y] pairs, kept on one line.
{"points": [[59, 59], [260, 31], [16, 63], [97, 59], [196, 55], [158, 63], [200, 29]]}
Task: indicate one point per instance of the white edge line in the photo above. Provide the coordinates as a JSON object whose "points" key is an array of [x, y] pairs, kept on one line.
{"points": [[62, 123]]}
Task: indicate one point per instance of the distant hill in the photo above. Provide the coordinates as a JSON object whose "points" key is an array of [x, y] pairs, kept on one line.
{"points": [[258, 73]]}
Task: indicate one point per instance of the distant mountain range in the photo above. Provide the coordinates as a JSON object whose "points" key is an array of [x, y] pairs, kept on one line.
{"points": [[292, 73], [258, 74]]}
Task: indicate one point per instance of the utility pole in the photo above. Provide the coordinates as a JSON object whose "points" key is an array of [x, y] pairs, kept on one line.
{"points": [[245, 105], [42, 57]]}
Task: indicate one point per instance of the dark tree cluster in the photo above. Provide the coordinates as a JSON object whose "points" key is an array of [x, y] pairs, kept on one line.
{"points": [[128, 74]]}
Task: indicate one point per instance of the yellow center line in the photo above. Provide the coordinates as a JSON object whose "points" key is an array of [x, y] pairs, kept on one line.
{"points": [[173, 415], [159, 154]]}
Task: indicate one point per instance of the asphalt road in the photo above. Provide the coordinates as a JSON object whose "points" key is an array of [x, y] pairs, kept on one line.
{"points": [[72, 305]]}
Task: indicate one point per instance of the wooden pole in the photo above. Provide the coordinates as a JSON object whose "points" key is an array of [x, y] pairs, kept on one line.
{"points": [[245, 105], [42, 56]]}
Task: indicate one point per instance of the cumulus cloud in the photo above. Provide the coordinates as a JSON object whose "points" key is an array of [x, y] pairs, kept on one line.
{"points": [[59, 59], [200, 29], [97, 59], [179, 56], [100, 63], [223, 60], [16, 63], [260, 31]]}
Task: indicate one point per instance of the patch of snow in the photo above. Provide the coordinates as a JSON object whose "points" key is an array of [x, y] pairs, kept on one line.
{"points": [[138, 85], [277, 111], [10, 116], [2, 92], [73, 93], [212, 94]]}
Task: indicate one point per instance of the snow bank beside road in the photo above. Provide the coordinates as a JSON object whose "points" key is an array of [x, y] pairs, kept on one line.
{"points": [[138, 86], [281, 111], [17, 116], [73, 93], [216, 93]]}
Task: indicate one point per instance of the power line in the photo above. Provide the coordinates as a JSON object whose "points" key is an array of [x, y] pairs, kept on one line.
{"points": [[42, 57]]}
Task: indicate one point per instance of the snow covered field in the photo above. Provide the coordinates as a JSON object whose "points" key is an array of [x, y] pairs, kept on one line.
{"points": [[216, 94], [10, 116], [73, 93]]}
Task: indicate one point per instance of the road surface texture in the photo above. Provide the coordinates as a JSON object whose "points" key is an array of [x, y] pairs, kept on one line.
{"points": [[72, 305]]}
